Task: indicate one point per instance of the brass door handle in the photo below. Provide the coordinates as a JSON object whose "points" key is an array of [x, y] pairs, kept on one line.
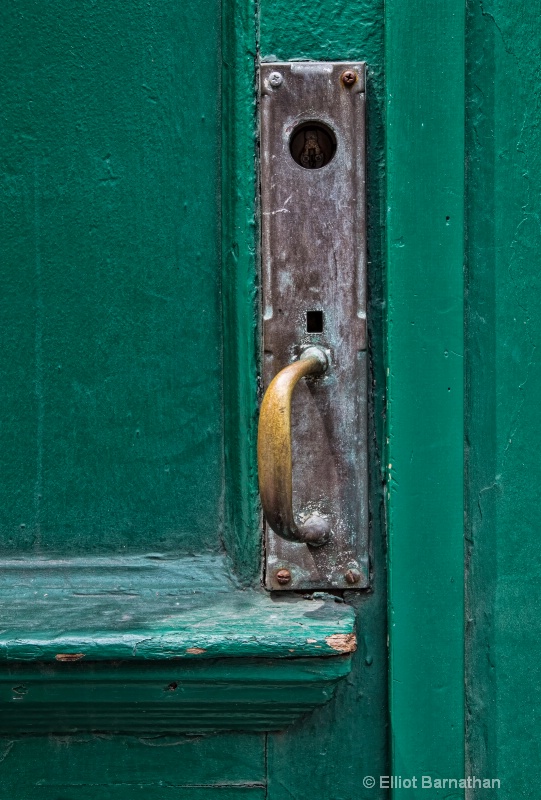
{"points": [[274, 453]]}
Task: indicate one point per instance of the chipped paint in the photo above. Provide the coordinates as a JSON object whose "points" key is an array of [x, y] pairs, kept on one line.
{"points": [[195, 651], [69, 656], [342, 642]]}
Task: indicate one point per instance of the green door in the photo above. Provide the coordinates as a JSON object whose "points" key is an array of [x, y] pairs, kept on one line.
{"points": [[140, 655]]}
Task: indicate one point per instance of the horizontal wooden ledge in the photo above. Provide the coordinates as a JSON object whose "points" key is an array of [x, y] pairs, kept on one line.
{"points": [[161, 697], [148, 643], [156, 608]]}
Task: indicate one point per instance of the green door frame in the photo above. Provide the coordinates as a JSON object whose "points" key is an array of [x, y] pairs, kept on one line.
{"points": [[425, 255]]}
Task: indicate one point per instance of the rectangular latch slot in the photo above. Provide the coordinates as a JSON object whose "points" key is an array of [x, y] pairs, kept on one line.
{"points": [[314, 322]]}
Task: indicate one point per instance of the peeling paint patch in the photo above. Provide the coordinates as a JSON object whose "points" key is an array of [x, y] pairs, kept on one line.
{"points": [[195, 651], [342, 642], [69, 656]]}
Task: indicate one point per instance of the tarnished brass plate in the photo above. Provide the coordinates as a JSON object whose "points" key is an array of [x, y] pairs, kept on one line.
{"points": [[314, 292]]}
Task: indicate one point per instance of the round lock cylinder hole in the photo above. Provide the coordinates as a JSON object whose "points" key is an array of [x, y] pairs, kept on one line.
{"points": [[312, 145]]}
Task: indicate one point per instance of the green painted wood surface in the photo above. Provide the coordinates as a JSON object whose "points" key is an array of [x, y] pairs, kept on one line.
{"points": [[103, 767], [351, 732], [221, 694], [425, 243], [114, 131], [151, 609], [240, 299], [327, 755], [503, 390], [111, 431]]}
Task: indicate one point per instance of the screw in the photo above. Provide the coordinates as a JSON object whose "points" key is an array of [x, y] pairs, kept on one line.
{"points": [[349, 77], [283, 576], [352, 576], [275, 79]]}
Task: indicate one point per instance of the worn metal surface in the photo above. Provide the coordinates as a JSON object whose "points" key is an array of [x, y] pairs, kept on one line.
{"points": [[313, 250]]}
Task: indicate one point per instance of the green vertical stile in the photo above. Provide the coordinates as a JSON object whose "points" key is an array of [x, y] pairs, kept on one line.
{"points": [[425, 254], [239, 287]]}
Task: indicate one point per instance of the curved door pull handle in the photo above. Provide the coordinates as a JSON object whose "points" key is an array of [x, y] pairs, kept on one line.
{"points": [[274, 453]]}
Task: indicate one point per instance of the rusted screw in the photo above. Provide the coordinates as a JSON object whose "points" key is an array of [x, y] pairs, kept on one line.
{"points": [[352, 576], [283, 576], [349, 77], [276, 79]]}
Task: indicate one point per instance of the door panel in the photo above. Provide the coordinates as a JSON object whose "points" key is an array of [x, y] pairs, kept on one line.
{"points": [[111, 433], [120, 768], [130, 376]]}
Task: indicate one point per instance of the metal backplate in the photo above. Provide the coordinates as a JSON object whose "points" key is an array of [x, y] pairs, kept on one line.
{"points": [[314, 277]]}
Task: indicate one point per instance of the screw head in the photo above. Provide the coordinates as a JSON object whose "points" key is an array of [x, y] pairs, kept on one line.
{"points": [[349, 77], [283, 576], [352, 576], [275, 79]]}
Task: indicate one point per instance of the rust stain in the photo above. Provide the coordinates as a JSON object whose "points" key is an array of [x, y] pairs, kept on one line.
{"points": [[342, 642], [69, 656], [195, 651]]}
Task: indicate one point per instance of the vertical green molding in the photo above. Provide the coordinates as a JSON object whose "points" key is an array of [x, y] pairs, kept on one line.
{"points": [[425, 254], [503, 390], [242, 529]]}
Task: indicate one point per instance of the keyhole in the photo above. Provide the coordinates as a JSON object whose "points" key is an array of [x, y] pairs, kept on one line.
{"points": [[312, 145]]}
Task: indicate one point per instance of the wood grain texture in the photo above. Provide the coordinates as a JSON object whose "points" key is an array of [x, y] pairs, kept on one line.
{"points": [[240, 300], [111, 430], [503, 389], [225, 694], [103, 767], [148, 609], [425, 257]]}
